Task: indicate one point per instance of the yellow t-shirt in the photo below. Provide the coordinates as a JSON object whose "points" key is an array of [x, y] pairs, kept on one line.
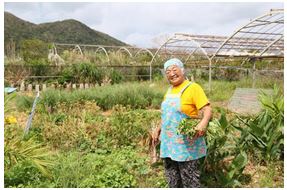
{"points": [[192, 99]]}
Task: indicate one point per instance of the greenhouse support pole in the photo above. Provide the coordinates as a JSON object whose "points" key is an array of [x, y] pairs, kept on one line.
{"points": [[150, 72], [253, 75], [209, 81]]}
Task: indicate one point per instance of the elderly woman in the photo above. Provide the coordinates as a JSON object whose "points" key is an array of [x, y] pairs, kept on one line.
{"points": [[181, 154]]}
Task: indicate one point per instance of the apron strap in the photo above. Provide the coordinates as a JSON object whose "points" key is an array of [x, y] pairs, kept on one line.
{"points": [[181, 92], [169, 90]]}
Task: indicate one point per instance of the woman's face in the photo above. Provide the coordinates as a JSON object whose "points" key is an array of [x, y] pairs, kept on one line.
{"points": [[174, 75]]}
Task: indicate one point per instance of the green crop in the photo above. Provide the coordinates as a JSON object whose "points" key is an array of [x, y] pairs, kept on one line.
{"points": [[187, 127]]}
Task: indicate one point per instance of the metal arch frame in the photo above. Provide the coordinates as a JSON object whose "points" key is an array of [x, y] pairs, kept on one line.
{"points": [[125, 49], [79, 48], [272, 43], [142, 50], [105, 51], [206, 54], [209, 60], [103, 47], [271, 13], [157, 51], [199, 46], [246, 26], [155, 54], [187, 38], [190, 39], [193, 53]]}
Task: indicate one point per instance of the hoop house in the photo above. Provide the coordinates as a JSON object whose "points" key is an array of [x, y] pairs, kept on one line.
{"points": [[262, 37]]}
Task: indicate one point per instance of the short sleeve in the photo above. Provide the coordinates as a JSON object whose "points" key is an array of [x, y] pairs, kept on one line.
{"points": [[199, 97]]}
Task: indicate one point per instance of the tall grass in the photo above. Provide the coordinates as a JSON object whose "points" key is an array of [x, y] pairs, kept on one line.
{"points": [[129, 94], [143, 94]]}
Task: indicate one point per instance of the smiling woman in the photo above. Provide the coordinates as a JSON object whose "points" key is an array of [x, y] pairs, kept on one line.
{"points": [[180, 153], [174, 71]]}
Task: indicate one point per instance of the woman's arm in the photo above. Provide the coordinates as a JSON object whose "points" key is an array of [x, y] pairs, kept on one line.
{"points": [[206, 114]]}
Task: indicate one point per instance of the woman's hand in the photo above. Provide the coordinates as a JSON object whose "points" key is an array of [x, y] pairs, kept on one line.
{"points": [[202, 125], [200, 131]]}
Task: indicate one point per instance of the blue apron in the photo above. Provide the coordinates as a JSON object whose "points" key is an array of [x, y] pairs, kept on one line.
{"points": [[178, 147]]}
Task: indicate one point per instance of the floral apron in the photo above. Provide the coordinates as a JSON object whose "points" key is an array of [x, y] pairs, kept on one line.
{"points": [[176, 146]]}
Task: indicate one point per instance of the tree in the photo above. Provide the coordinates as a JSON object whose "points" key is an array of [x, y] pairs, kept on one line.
{"points": [[10, 50], [34, 51]]}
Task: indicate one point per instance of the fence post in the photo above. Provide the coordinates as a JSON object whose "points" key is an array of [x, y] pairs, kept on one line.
{"points": [[30, 87], [37, 87], [44, 87], [68, 86], [22, 87]]}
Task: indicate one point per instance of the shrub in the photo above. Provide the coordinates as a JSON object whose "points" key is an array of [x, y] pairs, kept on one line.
{"points": [[131, 127], [87, 72], [115, 76]]}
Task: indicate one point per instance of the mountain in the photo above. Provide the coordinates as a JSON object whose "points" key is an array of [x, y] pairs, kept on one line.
{"points": [[66, 31]]}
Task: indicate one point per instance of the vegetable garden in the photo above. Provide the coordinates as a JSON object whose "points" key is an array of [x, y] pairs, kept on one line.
{"points": [[101, 136]]}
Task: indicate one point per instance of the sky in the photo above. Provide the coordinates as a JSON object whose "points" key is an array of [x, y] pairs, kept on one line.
{"points": [[146, 24]]}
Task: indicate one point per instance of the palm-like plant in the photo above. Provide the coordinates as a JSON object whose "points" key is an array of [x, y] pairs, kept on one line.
{"points": [[265, 131], [17, 148], [7, 100]]}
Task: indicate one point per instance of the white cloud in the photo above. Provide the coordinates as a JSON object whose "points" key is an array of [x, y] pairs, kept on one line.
{"points": [[139, 23]]}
